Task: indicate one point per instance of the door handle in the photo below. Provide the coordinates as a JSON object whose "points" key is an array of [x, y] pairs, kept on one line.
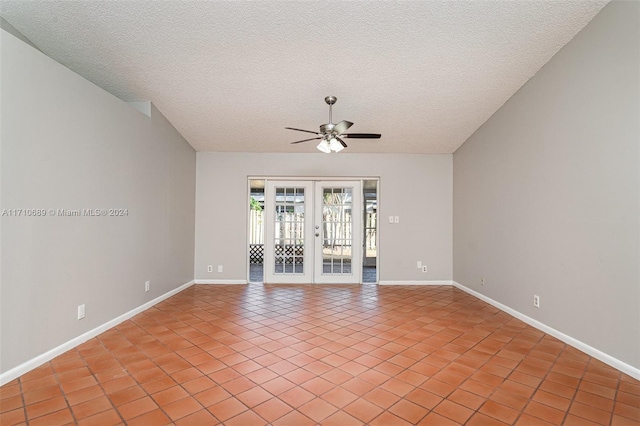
{"points": [[317, 234]]}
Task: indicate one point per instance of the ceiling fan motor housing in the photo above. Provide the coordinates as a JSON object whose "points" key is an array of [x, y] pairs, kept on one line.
{"points": [[327, 128]]}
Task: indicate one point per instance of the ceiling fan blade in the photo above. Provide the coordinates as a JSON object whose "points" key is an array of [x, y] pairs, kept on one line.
{"points": [[342, 126], [301, 130], [305, 140], [362, 135], [342, 142]]}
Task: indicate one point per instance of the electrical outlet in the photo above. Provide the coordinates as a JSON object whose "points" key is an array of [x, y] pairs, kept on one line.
{"points": [[419, 264], [219, 268], [147, 285], [81, 311], [390, 219], [424, 268], [481, 280], [396, 219], [210, 268], [536, 301]]}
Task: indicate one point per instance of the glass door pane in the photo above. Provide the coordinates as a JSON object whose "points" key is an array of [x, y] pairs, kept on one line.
{"points": [[255, 255], [337, 208], [289, 231], [370, 231]]}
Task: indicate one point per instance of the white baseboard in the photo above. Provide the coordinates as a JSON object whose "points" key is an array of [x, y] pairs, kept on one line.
{"points": [[198, 281], [589, 350], [436, 282], [25, 367]]}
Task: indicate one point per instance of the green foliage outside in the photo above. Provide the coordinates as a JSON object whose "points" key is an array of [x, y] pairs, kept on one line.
{"points": [[255, 205]]}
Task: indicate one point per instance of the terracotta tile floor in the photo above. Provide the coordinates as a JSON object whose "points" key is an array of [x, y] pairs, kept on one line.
{"points": [[334, 355]]}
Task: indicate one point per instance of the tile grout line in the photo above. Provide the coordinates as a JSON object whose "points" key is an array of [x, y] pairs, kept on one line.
{"points": [[615, 398], [98, 381], [177, 384], [64, 394]]}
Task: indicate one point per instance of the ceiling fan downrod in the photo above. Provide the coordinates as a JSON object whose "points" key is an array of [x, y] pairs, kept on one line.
{"points": [[330, 100]]}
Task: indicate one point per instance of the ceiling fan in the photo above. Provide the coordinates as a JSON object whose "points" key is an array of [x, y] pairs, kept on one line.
{"points": [[331, 134]]}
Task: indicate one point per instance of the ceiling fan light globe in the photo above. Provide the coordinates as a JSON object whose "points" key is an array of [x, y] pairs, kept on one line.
{"points": [[324, 146], [335, 145]]}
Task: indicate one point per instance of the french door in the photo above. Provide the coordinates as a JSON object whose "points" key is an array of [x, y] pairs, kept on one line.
{"points": [[289, 227], [338, 232], [313, 232]]}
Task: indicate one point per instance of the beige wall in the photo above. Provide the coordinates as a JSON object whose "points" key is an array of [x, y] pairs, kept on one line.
{"points": [[68, 144], [547, 192], [415, 187]]}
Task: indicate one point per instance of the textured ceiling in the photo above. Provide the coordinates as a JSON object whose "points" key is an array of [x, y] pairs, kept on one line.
{"points": [[231, 75]]}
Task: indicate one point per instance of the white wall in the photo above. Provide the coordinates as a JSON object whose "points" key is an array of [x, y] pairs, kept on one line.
{"points": [[417, 188], [547, 191], [67, 144]]}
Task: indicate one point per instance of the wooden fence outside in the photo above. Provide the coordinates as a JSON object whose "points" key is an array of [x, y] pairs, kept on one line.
{"points": [[257, 231]]}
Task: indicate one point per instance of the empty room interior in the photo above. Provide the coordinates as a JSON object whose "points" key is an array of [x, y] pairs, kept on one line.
{"points": [[337, 213]]}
